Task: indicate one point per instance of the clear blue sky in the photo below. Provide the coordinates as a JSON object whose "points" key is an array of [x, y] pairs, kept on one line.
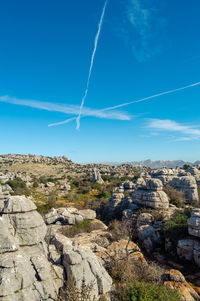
{"points": [[145, 47]]}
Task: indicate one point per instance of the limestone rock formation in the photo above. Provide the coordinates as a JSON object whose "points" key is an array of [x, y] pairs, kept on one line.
{"points": [[149, 193], [5, 191], [194, 223], [96, 177], [68, 216], [188, 185], [81, 265], [180, 180], [25, 272], [175, 280], [116, 199]]}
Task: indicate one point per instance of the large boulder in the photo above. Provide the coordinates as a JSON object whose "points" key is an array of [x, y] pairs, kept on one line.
{"points": [[189, 249], [149, 193], [68, 216], [82, 266], [175, 280], [25, 272], [194, 223], [96, 176], [188, 185]]}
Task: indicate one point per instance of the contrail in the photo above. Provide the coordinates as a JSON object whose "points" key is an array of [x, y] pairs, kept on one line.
{"points": [[62, 122], [135, 101], [91, 65], [150, 97]]}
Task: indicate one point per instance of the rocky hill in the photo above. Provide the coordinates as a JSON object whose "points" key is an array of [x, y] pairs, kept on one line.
{"points": [[96, 232]]}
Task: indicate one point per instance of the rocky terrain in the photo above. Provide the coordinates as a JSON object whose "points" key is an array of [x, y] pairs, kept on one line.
{"points": [[98, 232]]}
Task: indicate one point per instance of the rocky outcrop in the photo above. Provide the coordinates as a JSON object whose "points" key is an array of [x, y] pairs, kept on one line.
{"points": [[194, 223], [189, 249], [81, 265], [116, 200], [5, 191], [181, 180], [96, 177], [175, 280], [25, 272], [149, 193], [188, 185], [68, 216]]}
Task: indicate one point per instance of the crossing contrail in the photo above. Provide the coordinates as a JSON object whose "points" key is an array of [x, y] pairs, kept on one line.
{"points": [[91, 65], [150, 97], [135, 101]]}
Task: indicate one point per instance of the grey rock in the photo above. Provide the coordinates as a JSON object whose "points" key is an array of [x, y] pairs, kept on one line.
{"points": [[88, 214], [16, 204], [194, 223]]}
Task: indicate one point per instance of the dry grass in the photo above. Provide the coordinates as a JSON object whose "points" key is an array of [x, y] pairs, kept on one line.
{"points": [[176, 198]]}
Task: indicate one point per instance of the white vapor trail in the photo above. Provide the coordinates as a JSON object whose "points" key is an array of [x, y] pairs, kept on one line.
{"points": [[91, 65], [135, 101], [150, 97], [65, 108], [62, 122]]}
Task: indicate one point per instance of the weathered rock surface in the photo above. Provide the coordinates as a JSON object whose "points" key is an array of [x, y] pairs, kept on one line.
{"points": [[149, 193], [180, 180], [175, 280], [96, 176], [81, 265], [188, 185], [189, 249], [25, 272], [116, 200], [68, 216], [194, 223]]}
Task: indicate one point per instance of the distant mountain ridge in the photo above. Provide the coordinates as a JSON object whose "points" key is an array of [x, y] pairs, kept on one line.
{"points": [[163, 163]]}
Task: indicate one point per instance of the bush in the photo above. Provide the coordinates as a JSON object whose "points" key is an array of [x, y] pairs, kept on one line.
{"points": [[176, 198], [136, 280], [141, 291], [96, 186], [72, 293], [76, 183], [84, 226], [17, 183], [18, 186], [177, 228]]}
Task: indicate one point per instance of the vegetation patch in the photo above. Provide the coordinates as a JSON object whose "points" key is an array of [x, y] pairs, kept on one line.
{"points": [[176, 198], [141, 291], [18, 186], [177, 228]]}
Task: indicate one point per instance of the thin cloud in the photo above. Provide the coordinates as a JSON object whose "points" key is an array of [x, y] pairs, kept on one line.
{"points": [[66, 108], [187, 132], [145, 23]]}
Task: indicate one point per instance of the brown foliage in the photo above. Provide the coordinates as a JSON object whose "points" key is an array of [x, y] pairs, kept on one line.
{"points": [[176, 198]]}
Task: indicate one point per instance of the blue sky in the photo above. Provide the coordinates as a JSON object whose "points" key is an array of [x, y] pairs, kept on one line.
{"points": [[145, 47]]}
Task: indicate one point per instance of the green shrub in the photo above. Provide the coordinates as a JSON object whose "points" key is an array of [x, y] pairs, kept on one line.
{"points": [[176, 228], [84, 226], [104, 195], [18, 186], [76, 183], [35, 184], [96, 186], [17, 183], [141, 291], [43, 208]]}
